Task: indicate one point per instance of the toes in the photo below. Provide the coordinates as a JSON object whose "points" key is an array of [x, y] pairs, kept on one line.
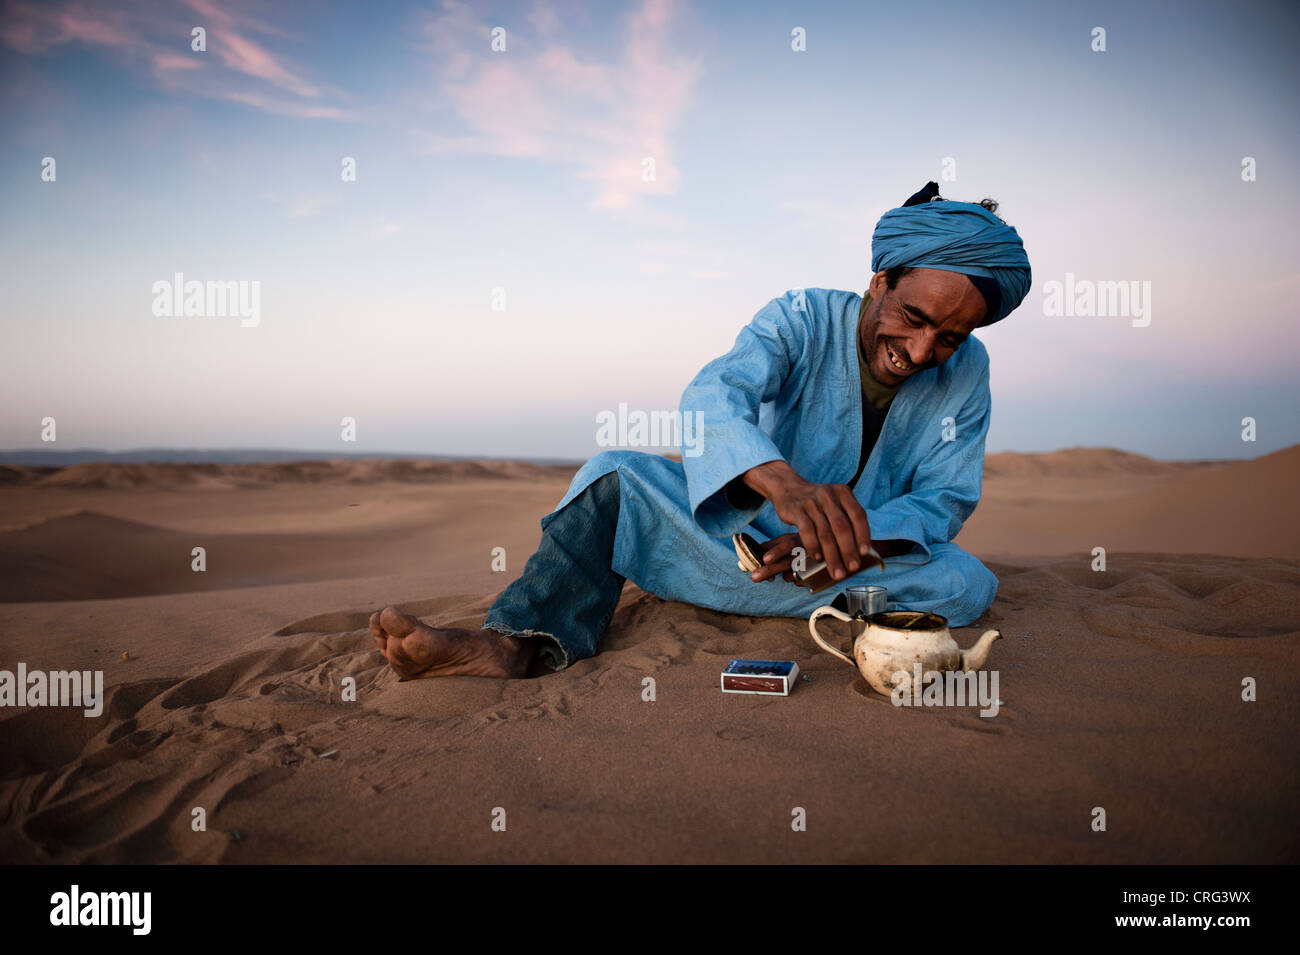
{"points": [[396, 659], [395, 623], [377, 631]]}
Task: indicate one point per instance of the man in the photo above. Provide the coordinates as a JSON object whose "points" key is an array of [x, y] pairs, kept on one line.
{"points": [[835, 423]]}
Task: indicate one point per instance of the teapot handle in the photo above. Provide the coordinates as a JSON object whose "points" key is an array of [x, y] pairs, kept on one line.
{"points": [[812, 628]]}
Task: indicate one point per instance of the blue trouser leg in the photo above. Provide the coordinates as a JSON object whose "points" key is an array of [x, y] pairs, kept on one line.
{"points": [[567, 593]]}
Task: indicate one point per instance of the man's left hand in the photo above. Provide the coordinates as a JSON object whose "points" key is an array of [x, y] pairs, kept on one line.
{"points": [[778, 559]]}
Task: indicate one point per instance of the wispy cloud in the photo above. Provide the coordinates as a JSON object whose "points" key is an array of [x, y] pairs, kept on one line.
{"points": [[298, 207], [542, 99], [245, 56], [383, 228], [235, 68], [174, 61]]}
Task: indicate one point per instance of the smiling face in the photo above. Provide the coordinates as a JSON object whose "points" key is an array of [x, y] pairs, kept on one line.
{"points": [[919, 323]]}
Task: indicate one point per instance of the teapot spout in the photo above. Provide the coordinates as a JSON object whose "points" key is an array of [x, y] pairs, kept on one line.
{"points": [[976, 656]]}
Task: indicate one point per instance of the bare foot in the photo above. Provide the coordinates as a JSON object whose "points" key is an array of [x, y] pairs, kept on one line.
{"points": [[416, 650]]}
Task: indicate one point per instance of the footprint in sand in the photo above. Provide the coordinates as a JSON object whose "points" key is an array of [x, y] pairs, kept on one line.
{"points": [[342, 621], [120, 788], [734, 732], [1081, 574], [968, 719]]}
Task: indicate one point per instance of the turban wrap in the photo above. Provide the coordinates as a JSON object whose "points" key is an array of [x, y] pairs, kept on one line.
{"points": [[929, 232]]}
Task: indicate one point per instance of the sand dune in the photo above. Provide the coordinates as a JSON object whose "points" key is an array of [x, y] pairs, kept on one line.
{"points": [[18, 474], [1067, 463], [1239, 508], [1120, 689], [75, 544], [86, 555], [101, 475], [1083, 463]]}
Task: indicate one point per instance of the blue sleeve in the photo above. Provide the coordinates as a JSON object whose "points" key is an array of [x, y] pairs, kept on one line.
{"points": [[725, 398], [946, 485]]}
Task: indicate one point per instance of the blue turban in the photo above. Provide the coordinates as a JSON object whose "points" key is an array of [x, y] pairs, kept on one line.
{"points": [[928, 232]]}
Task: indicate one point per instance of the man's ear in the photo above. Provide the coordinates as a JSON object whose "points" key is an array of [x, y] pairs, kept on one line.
{"points": [[877, 286]]}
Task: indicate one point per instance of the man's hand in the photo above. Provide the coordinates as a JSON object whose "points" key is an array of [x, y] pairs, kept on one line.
{"points": [[832, 524], [778, 560]]}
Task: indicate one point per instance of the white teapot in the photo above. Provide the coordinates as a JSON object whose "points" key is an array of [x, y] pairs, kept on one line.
{"points": [[899, 639]]}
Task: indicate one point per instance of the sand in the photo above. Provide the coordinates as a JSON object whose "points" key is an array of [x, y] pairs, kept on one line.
{"points": [[1121, 690]]}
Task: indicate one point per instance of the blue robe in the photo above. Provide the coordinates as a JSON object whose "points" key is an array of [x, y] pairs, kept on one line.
{"points": [[790, 388]]}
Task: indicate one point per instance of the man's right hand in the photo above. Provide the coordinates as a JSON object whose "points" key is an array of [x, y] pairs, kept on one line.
{"points": [[832, 524]]}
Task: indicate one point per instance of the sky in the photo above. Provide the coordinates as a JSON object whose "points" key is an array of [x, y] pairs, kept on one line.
{"points": [[500, 270]]}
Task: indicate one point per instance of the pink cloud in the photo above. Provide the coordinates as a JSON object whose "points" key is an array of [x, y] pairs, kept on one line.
{"points": [[142, 33], [249, 58], [385, 228], [244, 55], [174, 61], [543, 100], [280, 107], [31, 28], [80, 25]]}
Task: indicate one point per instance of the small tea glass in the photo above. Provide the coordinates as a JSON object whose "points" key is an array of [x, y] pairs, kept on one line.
{"points": [[864, 601]]}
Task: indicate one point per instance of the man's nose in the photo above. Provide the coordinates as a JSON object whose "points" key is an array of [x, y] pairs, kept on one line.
{"points": [[920, 347]]}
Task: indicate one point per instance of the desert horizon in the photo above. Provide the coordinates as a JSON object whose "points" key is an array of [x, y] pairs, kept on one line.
{"points": [[147, 454]]}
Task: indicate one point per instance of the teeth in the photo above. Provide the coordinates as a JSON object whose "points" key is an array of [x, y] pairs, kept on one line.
{"points": [[897, 363]]}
